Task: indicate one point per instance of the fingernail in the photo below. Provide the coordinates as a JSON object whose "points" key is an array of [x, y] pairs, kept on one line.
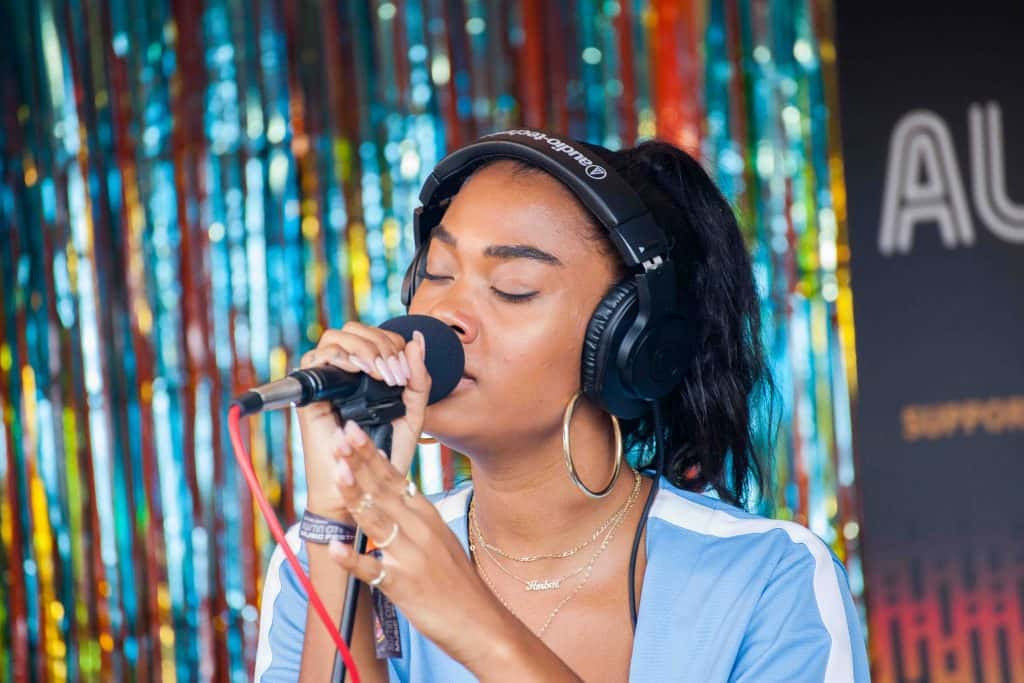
{"points": [[356, 361], [397, 371], [382, 367], [343, 473], [418, 336], [355, 434], [343, 442], [405, 364]]}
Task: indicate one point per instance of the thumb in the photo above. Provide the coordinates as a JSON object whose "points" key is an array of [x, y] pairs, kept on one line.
{"points": [[417, 392]]}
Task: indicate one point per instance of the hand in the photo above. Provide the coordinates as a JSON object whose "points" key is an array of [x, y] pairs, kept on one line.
{"points": [[425, 570], [385, 356]]}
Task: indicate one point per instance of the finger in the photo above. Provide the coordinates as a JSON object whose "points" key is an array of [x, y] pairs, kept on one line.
{"points": [[388, 346], [366, 568], [391, 500], [326, 354], [330, 354], [362, 352], [319, 409], [415, 357], [415, 397], [369, 472], [389, 343], [379, 527], [360, 493], [384, 531]]}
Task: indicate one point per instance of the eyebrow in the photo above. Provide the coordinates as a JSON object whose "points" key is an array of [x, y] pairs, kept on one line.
{"points": [[504, 252]]}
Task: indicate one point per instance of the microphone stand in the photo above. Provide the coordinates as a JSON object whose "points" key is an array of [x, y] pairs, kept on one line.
{"points": [[374, 415]]}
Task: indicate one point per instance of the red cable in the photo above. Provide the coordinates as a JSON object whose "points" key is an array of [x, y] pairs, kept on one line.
{"points": [[242, 456]]}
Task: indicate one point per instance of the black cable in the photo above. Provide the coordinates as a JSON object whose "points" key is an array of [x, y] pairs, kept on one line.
{"points": [[659, 466]]}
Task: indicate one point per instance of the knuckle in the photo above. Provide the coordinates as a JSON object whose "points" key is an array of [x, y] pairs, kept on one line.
{"points": [[396, 339], [327, 337], [376, 489], [363, 346]]}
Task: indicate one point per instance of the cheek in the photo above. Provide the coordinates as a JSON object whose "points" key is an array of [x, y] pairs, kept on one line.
{"points": [[545, 349]]}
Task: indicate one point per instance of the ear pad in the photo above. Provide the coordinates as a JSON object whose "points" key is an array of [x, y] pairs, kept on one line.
{"points": [[600, 377], [659, 357]]}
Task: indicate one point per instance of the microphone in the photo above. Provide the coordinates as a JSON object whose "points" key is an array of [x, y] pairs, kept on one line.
{"points": [[357, 395]]}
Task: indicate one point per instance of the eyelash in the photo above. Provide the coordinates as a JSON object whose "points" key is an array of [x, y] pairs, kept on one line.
{"points": [[504, 296]]}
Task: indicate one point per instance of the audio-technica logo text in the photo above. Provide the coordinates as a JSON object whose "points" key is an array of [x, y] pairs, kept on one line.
{"points": [[593, 170]]}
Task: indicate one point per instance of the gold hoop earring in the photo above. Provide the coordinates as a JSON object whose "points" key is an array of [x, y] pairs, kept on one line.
{"points": [[567, 451]]}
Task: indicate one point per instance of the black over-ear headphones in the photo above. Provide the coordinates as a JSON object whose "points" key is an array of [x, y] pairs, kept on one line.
{"points": [[639, 341]]}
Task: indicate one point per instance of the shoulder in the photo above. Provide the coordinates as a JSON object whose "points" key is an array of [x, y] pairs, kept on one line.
{"points": [[776, 577], [684, 517]]}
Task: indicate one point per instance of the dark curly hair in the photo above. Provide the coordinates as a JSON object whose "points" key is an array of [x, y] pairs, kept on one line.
{"points": [[709, 429]]}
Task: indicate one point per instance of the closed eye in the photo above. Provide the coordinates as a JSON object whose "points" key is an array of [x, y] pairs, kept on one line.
{"points": [[504, 296], [513, 298]]}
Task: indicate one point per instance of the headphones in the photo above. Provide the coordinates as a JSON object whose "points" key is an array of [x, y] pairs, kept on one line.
{"points": [[640, 340]]}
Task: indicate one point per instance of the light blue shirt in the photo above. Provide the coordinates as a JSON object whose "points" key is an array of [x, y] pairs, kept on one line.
{"points": [[727, 596]]}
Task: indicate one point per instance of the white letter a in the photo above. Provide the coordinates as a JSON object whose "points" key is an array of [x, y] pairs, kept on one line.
{"points": [[922, 184]]}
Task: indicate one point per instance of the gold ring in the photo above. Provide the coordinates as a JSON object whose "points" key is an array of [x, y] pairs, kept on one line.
{"points": [[365, 503], [390, 539], [380, 577], [410, 490]]}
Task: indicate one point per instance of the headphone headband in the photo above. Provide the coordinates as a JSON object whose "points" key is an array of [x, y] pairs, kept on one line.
{"points": [[599, 188]]}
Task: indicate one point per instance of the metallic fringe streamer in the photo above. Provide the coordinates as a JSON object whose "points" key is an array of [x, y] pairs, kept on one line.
{"points": [[192, 191]]}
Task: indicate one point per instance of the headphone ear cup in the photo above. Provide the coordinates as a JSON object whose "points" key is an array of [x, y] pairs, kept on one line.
{"points": [[600, 377], [413, 275]]}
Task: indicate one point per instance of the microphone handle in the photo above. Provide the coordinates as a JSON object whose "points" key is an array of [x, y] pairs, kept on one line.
{"points": [[324, 383]]}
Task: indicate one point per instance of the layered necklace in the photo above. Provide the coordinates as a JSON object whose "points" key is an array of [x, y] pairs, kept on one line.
{"points": [[608, 528]]}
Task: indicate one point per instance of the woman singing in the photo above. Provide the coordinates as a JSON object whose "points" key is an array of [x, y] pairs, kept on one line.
{"points": [[561, 562]]}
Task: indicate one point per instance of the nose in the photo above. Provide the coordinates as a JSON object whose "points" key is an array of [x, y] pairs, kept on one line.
{"points": [[465, 324]]}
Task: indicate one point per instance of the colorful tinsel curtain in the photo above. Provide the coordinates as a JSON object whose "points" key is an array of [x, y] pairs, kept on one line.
{"points": [[192, 190]]}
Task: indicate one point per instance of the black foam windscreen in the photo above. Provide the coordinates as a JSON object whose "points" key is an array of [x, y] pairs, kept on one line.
{"points": [[445, 359]]}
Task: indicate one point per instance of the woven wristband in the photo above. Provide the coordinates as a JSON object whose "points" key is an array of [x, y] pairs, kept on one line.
{"points": [[320, 530]]}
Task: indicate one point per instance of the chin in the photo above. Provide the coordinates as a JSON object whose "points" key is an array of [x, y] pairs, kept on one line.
{"points": [[456, 421]]}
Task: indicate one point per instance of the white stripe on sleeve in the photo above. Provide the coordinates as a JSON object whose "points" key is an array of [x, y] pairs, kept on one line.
{"points": [[271, 589]]}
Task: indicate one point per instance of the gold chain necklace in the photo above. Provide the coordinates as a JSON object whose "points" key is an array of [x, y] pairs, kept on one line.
{"points": [[550, 556], [556, 583], [588, 571]]}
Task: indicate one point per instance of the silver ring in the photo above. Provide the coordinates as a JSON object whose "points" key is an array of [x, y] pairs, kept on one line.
{"points": [[410, 490], [380, 577], [390, 539], [365, 503]]}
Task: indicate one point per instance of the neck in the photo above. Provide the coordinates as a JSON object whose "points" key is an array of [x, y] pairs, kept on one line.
{"points": [[524, 499]]}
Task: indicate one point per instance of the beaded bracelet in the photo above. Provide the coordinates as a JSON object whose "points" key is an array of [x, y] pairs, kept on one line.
{"points": [[320, 530]]}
